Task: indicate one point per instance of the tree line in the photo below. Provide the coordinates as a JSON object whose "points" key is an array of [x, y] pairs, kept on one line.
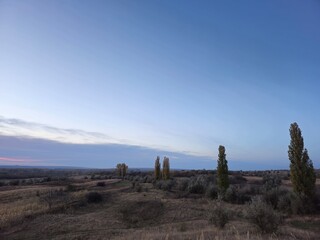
{"points": [[302, 174]]}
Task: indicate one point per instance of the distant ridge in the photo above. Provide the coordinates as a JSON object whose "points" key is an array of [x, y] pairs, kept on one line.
{"points": [[44, 167]]}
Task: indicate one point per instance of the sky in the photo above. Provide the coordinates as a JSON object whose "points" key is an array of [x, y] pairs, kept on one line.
{"points": [[94, 83]]}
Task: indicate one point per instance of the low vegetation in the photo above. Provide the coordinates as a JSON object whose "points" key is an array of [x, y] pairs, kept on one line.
{"points": [[163, 204]]}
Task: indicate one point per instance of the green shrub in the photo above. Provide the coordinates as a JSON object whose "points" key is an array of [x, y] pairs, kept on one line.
{"points": [[218, 215], [263, 216]]}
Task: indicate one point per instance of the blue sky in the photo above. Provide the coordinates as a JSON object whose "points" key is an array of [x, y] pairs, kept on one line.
{"points": [[166, 77]]}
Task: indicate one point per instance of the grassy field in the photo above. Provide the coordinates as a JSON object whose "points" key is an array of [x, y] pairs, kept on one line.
{"points": [[62, 209]]}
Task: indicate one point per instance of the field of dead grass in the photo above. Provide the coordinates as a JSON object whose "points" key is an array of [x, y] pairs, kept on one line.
{"points": [[127, 214]]}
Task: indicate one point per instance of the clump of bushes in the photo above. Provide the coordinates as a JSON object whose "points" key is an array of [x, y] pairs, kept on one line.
{"points": [[101, 184], [165, 185], [94, 197], [273, 195], [218, 215], [235, 195], [212, 191], [198, 184], [263, 216], [71, 188], [147, 179], [271, 181], [54, 198], [183, 184]]}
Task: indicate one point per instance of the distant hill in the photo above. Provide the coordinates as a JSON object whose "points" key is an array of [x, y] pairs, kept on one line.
{"points": [[43, 167]]}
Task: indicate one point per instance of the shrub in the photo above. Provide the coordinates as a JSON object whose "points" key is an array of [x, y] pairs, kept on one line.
{"points": [[230, 195], [148, 179], [138, 187], [165, 185], [273, 195], [271, 181], [198, 184], [94, 197], [285, 203], [14, 183], [218, 215], [263, 216], [302, 205], [53, 197], [101, 184], [212, 191], [71, 188], [183, 184], [235, 195]]}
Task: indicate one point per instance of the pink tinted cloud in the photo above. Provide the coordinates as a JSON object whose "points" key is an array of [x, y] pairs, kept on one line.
{"points": [[18, 160]]}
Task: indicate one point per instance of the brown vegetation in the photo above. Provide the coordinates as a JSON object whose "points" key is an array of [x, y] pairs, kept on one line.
{"points": [[79, 207]]}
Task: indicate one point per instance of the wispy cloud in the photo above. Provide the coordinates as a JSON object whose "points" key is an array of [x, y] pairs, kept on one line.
{"points": [[18, 127], [17, 160], [21, 128]]}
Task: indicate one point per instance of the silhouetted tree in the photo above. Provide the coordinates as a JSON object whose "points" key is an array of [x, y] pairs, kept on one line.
{"points": [[302, 174], [157, 170], [122, 169], [222, 170], [119, 169], [166, 168]]}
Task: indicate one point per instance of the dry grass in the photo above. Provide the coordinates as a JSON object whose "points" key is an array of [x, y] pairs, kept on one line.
{"points": [[23, 216]]}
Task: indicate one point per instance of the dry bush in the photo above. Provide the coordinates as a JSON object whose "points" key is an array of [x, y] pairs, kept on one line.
{"points": [[236, 195], [54, 198], [182, 184], [212, 191], [273, 195], [165, 185], [94, 197], [263, 216], [198, 184], [101, 184], [218, 214]]}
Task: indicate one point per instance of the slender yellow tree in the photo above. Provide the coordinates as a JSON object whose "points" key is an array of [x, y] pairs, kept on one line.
{"points": [[302, 173], [157, 170], [166, 168]]}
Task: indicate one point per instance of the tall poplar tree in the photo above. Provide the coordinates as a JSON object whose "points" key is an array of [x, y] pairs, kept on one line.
{"points": [[166, 168], [302, 173], [157, 170], [222, 170]]}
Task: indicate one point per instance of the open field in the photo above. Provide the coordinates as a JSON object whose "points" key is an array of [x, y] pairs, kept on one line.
{"points": [[133, 208]]}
